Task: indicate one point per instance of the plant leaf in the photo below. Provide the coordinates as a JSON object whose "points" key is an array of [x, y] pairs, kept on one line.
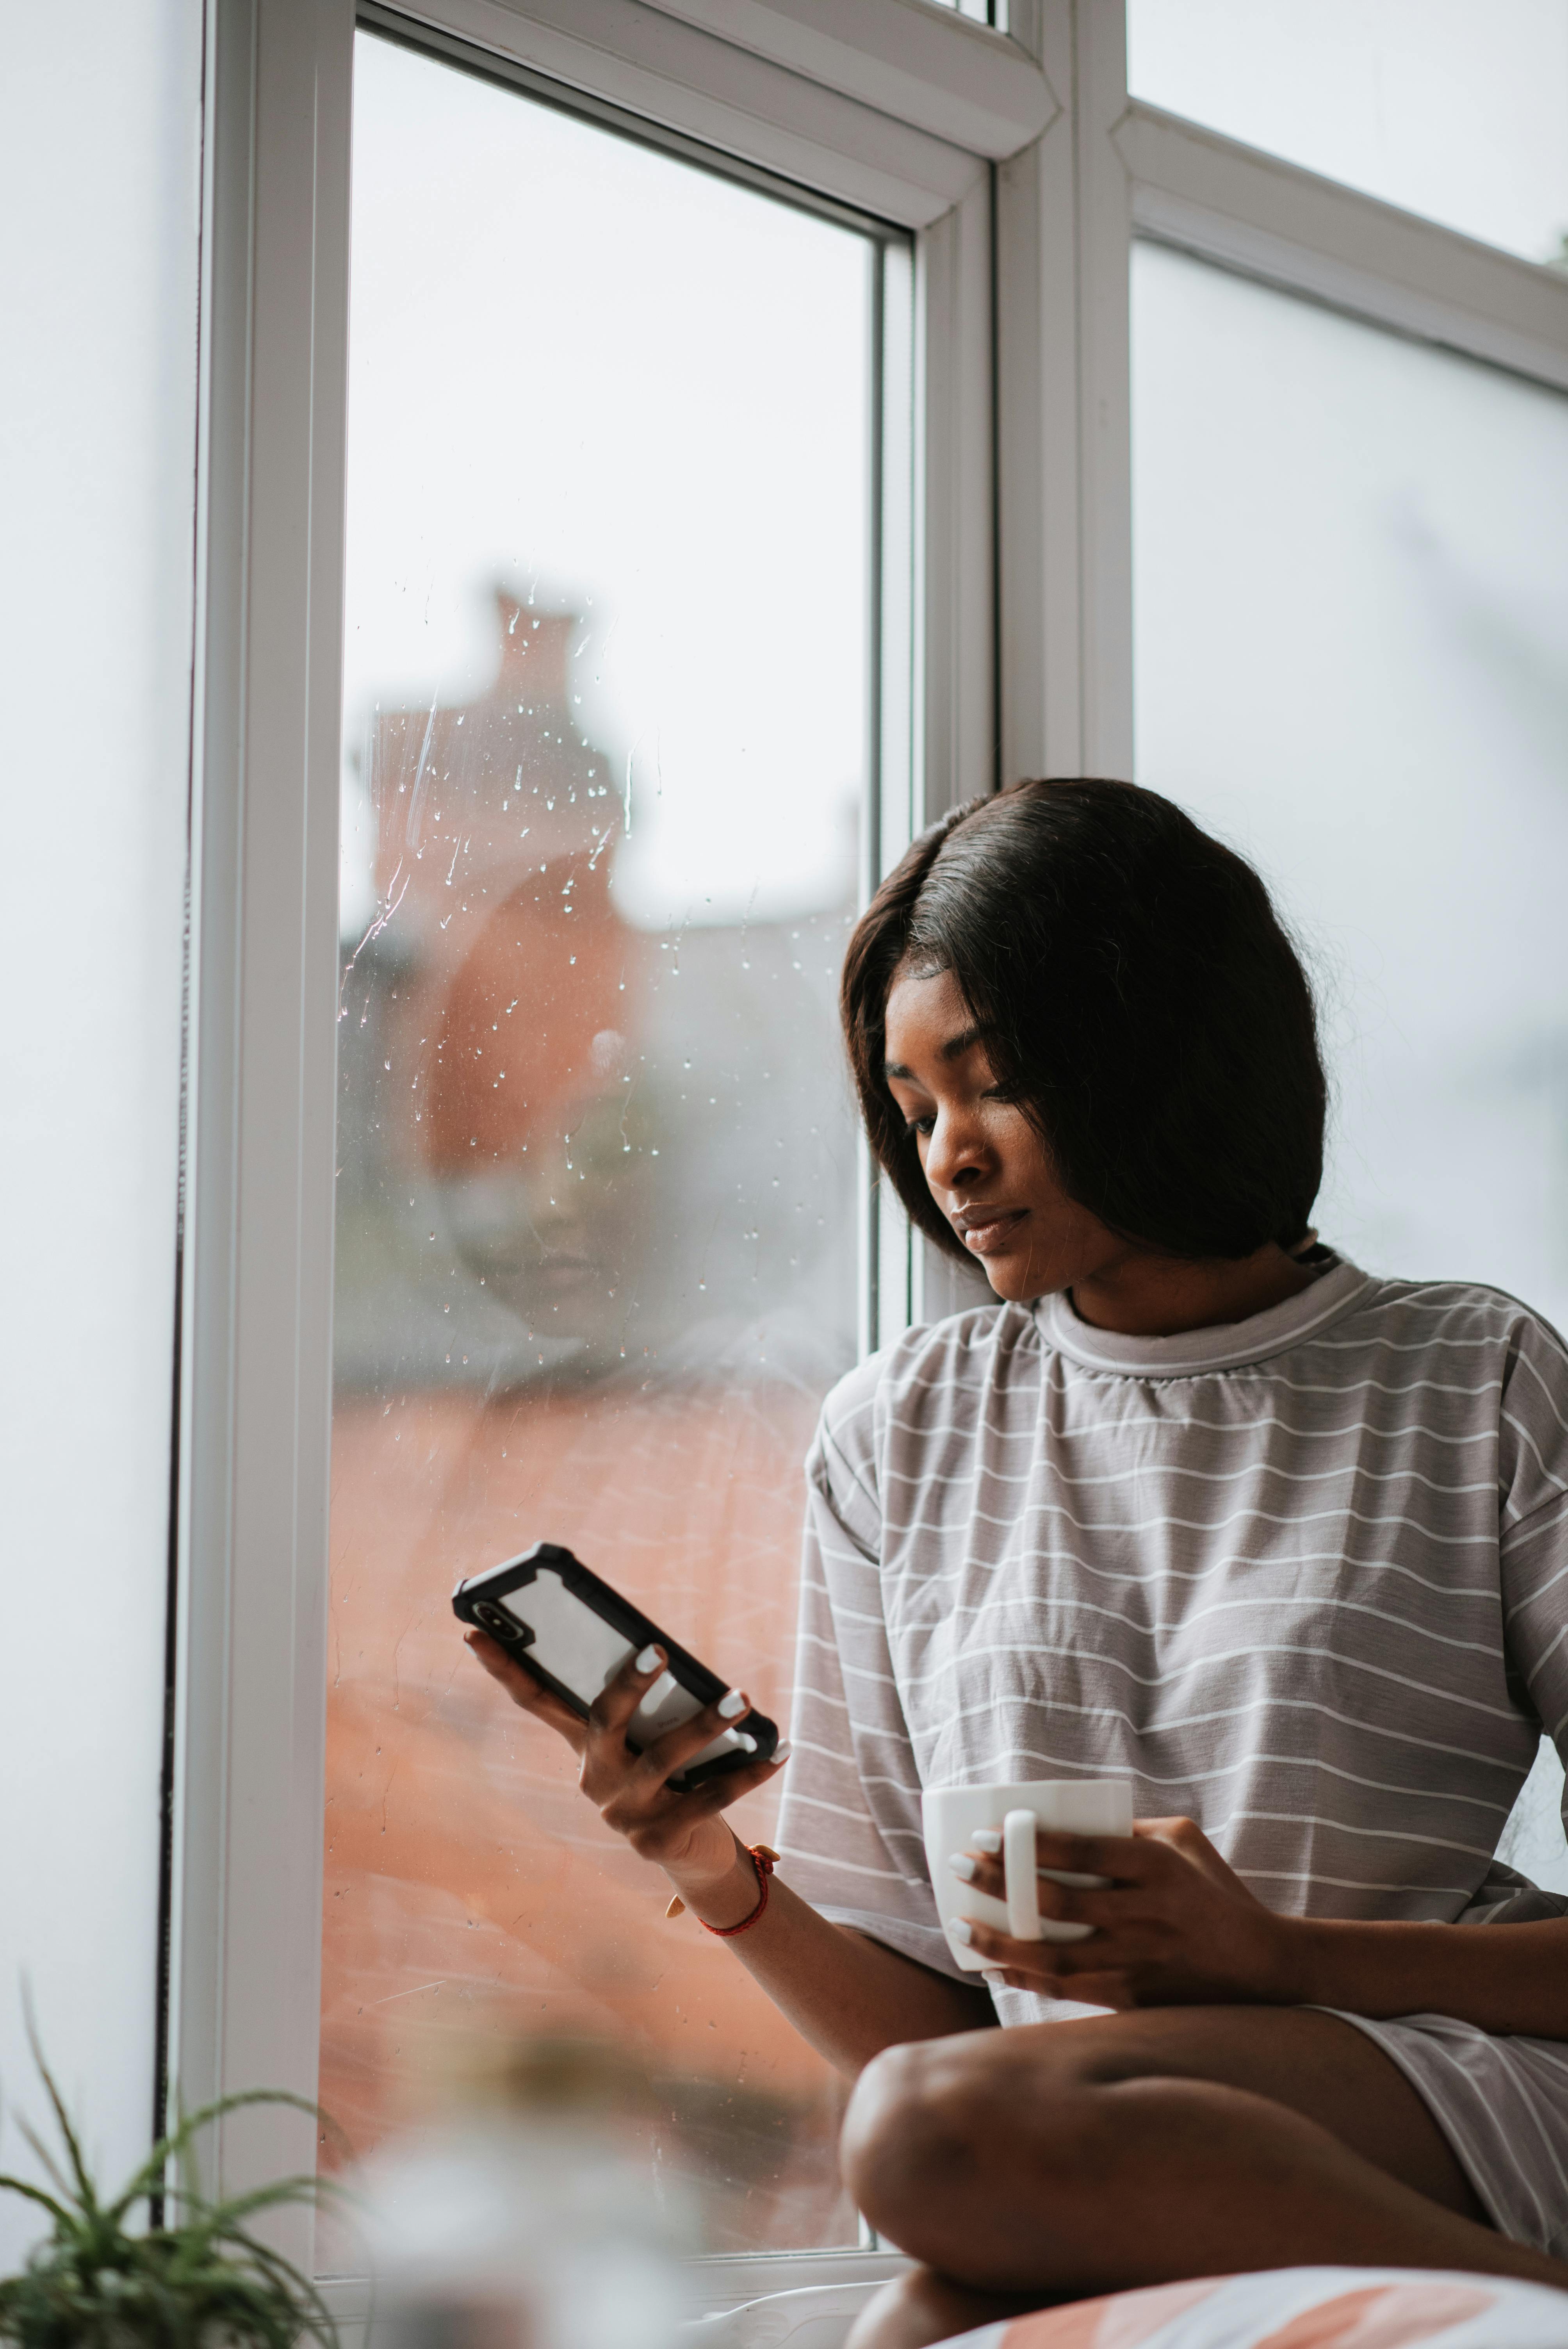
{"points": [[321, 2322], [203, 2278], [78, 2167], [25, 2129], [304, 2189], [177, 2145], [35, 2194]]}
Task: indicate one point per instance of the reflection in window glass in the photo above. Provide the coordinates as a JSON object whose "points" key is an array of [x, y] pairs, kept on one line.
{"points": [[1352, 605], [1446, 109], [604, 759]]}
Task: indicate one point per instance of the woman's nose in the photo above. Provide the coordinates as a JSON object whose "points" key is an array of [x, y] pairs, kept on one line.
{"points": [[955, 1157]]}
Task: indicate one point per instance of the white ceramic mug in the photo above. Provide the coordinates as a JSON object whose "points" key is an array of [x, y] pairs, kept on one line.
{"points": [[953, 1815]]}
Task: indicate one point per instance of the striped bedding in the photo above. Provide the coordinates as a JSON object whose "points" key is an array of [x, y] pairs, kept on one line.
{"points": [[1304, 1579], [1299, 2308]]}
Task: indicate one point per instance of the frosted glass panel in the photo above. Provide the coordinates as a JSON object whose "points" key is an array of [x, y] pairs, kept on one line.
{"points": [[100, 156], [1443, 107], [606, 722], [1352, 615]]}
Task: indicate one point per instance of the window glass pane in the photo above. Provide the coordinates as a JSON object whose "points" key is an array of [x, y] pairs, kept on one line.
{"points": [[605, 728], [1352, 604], [1446, 109]]}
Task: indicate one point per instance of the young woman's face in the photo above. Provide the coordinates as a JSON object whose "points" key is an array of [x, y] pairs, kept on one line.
{"points": [[985, 1164]]}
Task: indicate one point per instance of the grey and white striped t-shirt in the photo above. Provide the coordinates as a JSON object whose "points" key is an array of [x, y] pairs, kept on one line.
{"points": [[1304, 1579]]}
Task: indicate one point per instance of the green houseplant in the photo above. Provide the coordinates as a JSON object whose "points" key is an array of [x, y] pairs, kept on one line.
{"points": [[193, 2277]]}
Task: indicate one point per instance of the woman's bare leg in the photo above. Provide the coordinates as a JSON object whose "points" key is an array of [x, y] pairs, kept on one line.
{"points": [[922, 2307], [1077, 2157]]}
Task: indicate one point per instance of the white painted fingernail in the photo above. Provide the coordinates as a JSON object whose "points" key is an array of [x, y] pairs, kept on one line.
{"points": [[728, 1706], [746, 1744], [648, 1661], [782, 1752], [962, 1864], [962, 1929], [989, 1839]]}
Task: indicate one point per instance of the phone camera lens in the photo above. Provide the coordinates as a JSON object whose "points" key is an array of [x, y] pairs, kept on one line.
{"points": [[496, 1619]]}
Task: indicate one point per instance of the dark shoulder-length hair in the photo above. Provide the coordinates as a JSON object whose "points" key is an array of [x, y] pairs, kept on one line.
{"points": [[1136, 991]]}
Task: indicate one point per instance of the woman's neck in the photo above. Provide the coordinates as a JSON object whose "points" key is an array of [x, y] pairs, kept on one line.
{"points": [[1141, 1296]]}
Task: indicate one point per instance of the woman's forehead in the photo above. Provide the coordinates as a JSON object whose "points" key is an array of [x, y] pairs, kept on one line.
{"points": [[927, 1021]]}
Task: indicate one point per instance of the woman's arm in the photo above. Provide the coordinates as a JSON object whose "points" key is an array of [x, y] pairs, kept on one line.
{"points": [[1177, 1926], [1506, 1978], [848, 1995]]}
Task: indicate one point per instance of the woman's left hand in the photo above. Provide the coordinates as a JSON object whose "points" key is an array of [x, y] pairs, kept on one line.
{"points": [[1174, 1927]]}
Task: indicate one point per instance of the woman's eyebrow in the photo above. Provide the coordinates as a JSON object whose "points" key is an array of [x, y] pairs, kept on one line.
{"points": [[954, 1049]]}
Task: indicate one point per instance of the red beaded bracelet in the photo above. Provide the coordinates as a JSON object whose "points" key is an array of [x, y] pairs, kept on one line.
{"points": [[764, 1861]]}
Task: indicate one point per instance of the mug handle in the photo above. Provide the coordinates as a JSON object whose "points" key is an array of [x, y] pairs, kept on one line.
{"points": [[1023, 1883]]}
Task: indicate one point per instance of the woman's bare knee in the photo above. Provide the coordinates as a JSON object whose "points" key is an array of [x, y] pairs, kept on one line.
{"points": [[934, 2124], [915, 2114]]}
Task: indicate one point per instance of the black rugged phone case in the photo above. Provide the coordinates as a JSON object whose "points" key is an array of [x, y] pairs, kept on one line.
{"points": [[515, 1573]]}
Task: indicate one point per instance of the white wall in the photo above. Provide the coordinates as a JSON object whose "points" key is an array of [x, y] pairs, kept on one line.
{"points": [[99, 168]]}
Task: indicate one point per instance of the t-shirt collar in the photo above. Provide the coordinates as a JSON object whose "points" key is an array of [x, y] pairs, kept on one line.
{"points": [[1227, 1346]]}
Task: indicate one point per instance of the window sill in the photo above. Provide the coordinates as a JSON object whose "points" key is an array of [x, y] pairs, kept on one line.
{"points": [[727, 2281]]}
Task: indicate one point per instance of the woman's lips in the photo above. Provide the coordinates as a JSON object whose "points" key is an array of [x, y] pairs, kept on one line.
{"points": [[991, 1236]]}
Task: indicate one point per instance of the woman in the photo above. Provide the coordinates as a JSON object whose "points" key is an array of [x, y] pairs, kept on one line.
{"points": [[1196, 1502]]}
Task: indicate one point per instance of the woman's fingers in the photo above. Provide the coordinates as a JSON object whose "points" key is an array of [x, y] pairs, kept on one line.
{"points": [[1113, 1990], [1119, 1859], [659, 1762], [1037, 1963], [1064, 1904], [624, 1692], [524, 1689], [1049, 1964], [1123, 1858], [1111, 1911], [609, 1764], [1062, 1969], [631, 1790], [717, 1793], [640, 1802]]}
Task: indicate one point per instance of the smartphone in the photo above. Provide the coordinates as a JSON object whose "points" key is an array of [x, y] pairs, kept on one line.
{"points": [[572, 1632]]}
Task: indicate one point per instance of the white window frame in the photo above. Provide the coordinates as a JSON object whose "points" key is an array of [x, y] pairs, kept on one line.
{"points": [[1023, 173]]}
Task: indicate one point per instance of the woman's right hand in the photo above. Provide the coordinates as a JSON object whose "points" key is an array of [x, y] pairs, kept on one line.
{"points": [[683, 1830]]}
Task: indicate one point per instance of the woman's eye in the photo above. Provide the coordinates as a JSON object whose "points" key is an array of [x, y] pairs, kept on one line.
{"points": [[919, 1124]]}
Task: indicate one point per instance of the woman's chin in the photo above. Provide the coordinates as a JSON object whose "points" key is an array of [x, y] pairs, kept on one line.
{"points": [[1010, 1276]]}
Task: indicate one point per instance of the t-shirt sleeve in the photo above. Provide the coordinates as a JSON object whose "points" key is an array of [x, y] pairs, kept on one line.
{"points": [[848, 1824], [1533, 1475]]}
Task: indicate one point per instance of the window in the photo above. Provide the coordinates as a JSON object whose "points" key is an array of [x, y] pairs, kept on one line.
{"points": [[682, 352], [1349, 586], [979, 12], [1453, 111], [566, 248], [1352, 584], [615, 479]]}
